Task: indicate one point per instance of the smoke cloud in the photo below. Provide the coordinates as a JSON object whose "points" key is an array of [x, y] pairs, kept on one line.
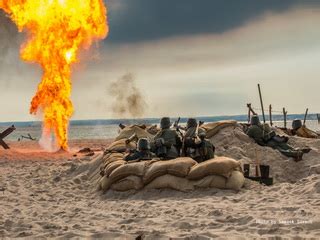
{"points": [[8, 37], [9, 50], [128, 99]]}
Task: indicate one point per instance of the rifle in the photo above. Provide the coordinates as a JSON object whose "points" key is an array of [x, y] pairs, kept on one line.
{"points": [[176, 124], [196, 135], [178, 127], [132, 138]]}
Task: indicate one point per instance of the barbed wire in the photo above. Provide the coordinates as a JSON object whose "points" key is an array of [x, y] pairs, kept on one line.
{"points": [[267, 111]]}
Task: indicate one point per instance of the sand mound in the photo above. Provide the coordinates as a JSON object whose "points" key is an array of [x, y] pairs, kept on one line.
{"points": [[233, 142]]}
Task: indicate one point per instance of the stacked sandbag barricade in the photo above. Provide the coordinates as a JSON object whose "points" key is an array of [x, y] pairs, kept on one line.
{"points": [[181, 174]]}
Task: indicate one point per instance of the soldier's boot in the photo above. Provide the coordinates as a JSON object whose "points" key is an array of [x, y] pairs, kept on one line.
{"points": [[298, 158], [305, 149], [296, 154]]}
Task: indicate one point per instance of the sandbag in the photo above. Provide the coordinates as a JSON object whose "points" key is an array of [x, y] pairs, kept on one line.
{"points": [[112, 166], [171, 182], [222, 166], [211, 181], [120, 146], [125, 170], [179, 167], [129, 183], [153, 130], [235, 181], [104, 183], [112, 158], [108, 156], [130, 130], [214, 127]]}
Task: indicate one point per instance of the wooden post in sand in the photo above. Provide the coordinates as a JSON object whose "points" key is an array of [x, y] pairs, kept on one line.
{"points": [[284, 118], [249, 111], [305, 117], [270, 115], [261, 102]]}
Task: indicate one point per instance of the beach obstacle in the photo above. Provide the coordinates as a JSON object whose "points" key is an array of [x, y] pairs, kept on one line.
{"points": [[4, 134]]}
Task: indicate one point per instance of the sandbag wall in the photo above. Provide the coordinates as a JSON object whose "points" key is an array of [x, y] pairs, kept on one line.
{"points": [[182, 174]]}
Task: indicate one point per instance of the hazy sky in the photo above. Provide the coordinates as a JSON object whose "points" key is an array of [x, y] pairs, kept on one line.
{"points": [[188, 58]]}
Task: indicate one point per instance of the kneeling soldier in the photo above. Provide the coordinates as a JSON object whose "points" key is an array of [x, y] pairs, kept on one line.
{"points": [[142, 153], [167, 142], [196, 145]]}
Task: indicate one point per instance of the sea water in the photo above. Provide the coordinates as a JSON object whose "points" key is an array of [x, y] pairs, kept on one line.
{"points": [[107, 129]]}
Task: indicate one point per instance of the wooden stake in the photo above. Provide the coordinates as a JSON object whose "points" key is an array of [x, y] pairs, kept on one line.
{"points": [[258, 170], [249, 112], [270, 115], [261, 102], [305, 117], [285, 118]]}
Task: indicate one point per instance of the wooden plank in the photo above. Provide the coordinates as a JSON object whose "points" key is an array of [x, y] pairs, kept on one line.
{"points": [[4, 134]]}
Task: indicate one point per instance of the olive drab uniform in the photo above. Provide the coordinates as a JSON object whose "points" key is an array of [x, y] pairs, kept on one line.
{"points": [[195, 144], [167, 143], [264, 136], [142, 153]]}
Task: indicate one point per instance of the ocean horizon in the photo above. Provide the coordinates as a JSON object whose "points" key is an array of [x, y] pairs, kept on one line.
{"points": [[91, 122], [109, 128]]}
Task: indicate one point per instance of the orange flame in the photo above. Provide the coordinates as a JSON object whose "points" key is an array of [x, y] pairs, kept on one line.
{"points": [[56, 30]]}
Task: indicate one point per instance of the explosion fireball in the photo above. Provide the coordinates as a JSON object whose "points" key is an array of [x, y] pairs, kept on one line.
{"points": [[56, 30]]}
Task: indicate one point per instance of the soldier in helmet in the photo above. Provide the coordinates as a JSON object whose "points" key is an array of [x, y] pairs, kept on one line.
{"points": [[264, 136], [167, 143], [196, 145], [300, 130], [143, 151]]}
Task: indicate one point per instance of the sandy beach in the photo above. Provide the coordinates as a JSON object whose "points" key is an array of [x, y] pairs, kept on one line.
{"points": [[49, 195]]}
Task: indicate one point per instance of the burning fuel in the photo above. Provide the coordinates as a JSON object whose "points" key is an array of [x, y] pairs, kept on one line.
{"points": [[56, 31]]}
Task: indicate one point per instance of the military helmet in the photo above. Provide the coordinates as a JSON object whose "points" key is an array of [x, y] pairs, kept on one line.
{"points": [[143, 144], [296, 124], [192, 122], [255, 120], [165, 123]]}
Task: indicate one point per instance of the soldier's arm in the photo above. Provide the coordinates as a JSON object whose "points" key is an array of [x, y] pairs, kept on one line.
{"points": [[132, 156]]}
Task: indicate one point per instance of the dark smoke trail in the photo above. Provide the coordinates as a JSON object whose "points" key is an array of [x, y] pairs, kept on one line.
{"points": [[9, 50], [128, 102]]}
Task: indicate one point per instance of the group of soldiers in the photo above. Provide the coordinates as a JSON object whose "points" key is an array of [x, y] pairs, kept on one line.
{"points": [[265, 136], [190, 141], [172, 142]]}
